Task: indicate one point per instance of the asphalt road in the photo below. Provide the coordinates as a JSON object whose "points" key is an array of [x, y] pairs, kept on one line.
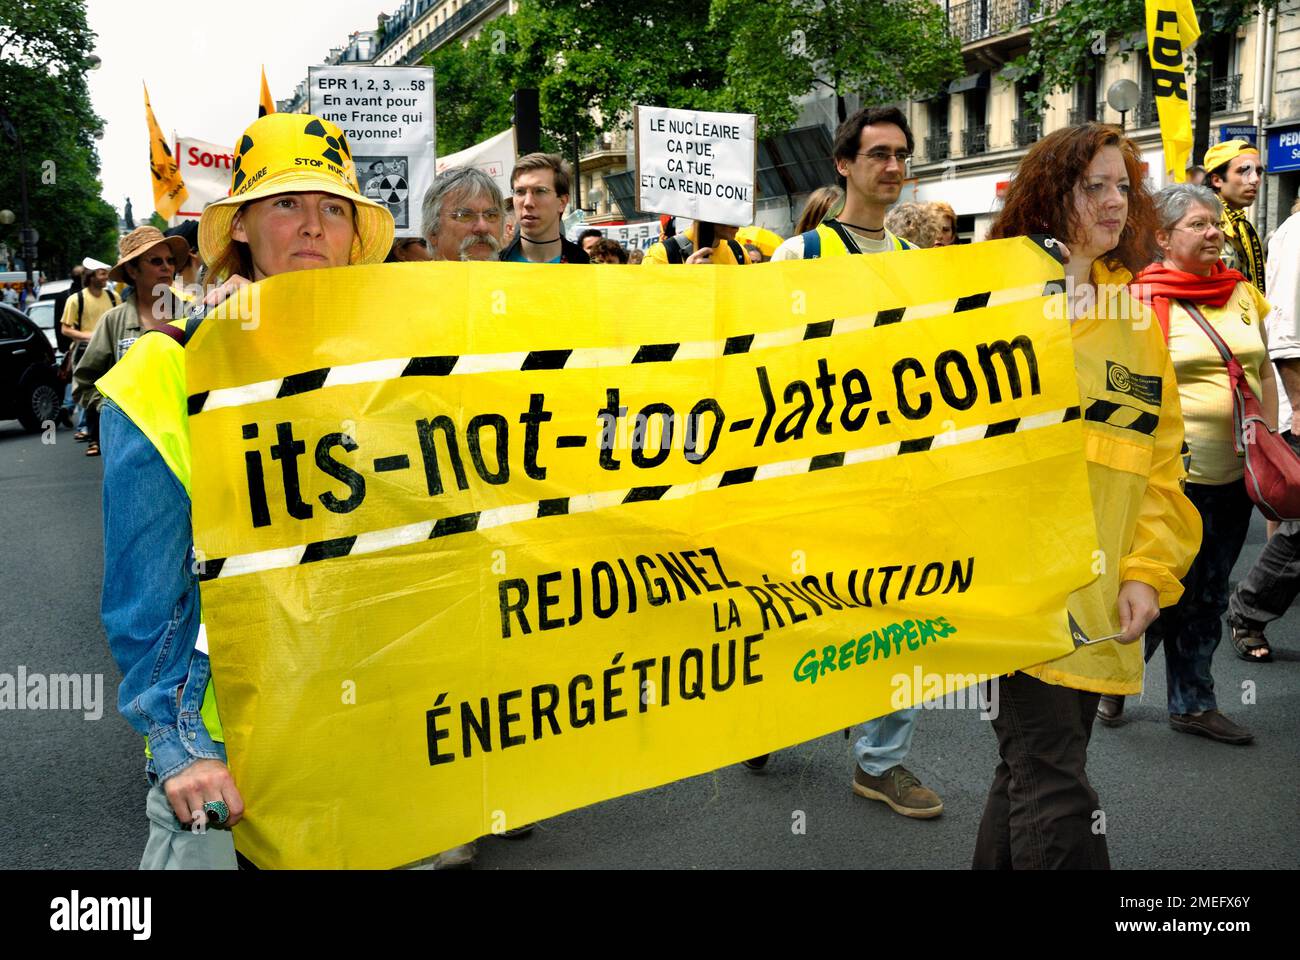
{"points": [[72, 789]]}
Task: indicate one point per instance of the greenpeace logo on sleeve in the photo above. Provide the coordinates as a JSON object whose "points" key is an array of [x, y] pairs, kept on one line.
{"points": [[1120, 379], [77, 913]]}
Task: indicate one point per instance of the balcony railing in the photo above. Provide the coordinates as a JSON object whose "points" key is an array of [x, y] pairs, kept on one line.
{"points": [[975, 140], [1079, 115], [978, 19], [1145, 113], [939, 146], [447, 29], [1028, 130], [1225, 94]]}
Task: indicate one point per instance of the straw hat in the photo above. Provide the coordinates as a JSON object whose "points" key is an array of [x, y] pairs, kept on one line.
{"points": [[138, 242], [295, 153]]}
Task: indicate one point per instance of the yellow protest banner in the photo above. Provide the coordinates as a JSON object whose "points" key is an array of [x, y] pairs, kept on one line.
{"points": [[168, 188], [1171, 29], [484, 542]]}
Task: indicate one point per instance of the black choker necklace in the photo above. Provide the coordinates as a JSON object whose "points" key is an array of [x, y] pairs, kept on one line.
{"points": [[531, 240], [863, 229]]}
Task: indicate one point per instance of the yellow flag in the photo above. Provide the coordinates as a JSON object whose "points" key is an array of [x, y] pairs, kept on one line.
{"points": [[168, 187], [265, 104], [1171, 29], [563, 534]]}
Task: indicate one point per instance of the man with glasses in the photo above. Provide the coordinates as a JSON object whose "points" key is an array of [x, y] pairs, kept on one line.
{"points": [[540, 183], [464, 213], [1235, 171], [872, 150]]}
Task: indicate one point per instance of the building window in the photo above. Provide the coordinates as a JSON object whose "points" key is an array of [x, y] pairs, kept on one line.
{"points": [[975, 138], [1028, 123], [938, 143]]}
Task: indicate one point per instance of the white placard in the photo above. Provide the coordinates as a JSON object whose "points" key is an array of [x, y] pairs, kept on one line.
{"points": [[205, 168], [635, 236], [495, 156], [696, 164], [387, 114]]}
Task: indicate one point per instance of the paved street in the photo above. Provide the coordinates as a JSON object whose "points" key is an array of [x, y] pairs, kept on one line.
{"points": [[71, 789]]}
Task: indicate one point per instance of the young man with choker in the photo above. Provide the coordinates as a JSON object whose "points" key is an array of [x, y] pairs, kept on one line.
{"points": [[540, 184]]}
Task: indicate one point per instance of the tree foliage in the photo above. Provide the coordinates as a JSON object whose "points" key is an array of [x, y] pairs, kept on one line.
{"points": [[43, 62], [1062, 47]]}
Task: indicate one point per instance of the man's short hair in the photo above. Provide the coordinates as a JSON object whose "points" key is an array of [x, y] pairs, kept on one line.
{"points": [[1221, 171], [544, 161], [849, 135], [607, 247], [468, 182], [588, 233]]}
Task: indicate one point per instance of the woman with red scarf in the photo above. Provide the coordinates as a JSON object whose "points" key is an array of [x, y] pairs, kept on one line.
{"points": [[1192, 278]]}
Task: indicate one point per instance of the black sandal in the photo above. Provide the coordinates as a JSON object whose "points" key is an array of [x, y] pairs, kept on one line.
{"points": [[1246, 639]]}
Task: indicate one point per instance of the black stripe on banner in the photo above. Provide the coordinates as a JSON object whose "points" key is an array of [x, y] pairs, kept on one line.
{"points": [[304, 382], [197, 401], [1146, 423], [1072, 413], [889, 316], [919, 445], [557, 507], [973, 302], [1001, 428], [211, 569], [739, 344], [546, 359], [328, 549], [739, 475], [656, 352], [430, 366], [639, 494], [465, 523], [398, 461], [825, 461], [568, 443], [815, 331]]}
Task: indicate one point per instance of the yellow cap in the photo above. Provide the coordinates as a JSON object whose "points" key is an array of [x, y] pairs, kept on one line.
{"points": [[1221, 153], [295, 153]]}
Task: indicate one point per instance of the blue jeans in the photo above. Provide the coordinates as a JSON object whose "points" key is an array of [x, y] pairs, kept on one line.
{"points": [[885, 741], [1191, 630]]}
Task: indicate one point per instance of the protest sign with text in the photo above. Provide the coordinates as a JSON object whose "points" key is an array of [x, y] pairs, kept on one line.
{"points": [[206, 170], [387, 114], [495, 156], [696, 164], [482, 543]]}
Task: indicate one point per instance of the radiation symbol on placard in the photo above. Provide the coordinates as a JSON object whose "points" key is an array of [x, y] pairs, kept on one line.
{"points": [[244, 146], [393, 190], [337, 147]]}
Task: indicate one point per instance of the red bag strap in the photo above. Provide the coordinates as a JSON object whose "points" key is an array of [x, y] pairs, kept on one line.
{"points": [[1195, 313]]}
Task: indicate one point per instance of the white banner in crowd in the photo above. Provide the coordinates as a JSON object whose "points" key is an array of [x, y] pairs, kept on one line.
{"points": [[635, 236], [205, 168], [495, 156], [388, 116], [696, 164]]}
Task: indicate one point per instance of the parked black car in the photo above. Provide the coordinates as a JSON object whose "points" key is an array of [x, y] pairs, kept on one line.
{"points": [[30, 388]]}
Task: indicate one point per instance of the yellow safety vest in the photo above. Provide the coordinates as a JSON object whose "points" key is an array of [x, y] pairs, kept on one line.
{"points": [[826, 242], [148, 385]]}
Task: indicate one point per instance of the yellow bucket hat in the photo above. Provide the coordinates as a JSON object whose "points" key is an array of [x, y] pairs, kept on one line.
{"points": [[1222, 153], [295, 153]]}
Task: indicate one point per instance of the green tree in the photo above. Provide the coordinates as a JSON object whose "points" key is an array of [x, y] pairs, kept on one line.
{"points": [[1063, 47], [44, 47], [883, 50]]}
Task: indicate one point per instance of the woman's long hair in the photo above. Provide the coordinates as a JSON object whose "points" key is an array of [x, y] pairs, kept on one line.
{"points": [[820, 202], [1041, 196]]}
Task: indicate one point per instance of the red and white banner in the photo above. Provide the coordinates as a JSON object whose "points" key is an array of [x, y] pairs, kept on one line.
{"points": [[205, 167]]}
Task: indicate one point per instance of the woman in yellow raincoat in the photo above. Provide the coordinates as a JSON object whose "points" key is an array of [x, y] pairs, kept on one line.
{"points": [[1084, 184]]}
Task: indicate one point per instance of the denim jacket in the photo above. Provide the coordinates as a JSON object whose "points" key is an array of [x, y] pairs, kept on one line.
{"points": [[150, 604]]}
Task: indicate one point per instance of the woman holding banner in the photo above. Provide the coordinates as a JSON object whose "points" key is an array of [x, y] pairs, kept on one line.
{"points": [[280, 217], [1085, 184]]}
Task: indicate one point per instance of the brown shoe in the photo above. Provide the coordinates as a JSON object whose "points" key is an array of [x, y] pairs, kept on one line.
{"points": [[1110, 710], [1211, 724], [899, 788]]}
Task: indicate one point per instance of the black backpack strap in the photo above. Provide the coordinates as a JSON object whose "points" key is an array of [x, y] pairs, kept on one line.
{"points": [[678, 248], [812, 245], [846, 238], [737, 251]]}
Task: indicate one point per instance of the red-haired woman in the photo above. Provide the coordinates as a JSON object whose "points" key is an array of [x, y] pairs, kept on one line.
{"points": [[1084, 185]]}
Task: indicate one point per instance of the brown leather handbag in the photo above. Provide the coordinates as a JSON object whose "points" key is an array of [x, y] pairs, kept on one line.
{"points": [[1272, 467]]}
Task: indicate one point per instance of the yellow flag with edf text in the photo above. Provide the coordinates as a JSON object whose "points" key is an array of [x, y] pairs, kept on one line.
{"points": [[1171, 29], [168, 187], [480, 543]]}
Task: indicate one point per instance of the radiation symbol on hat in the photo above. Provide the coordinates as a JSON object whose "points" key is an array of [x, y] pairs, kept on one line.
{"points": [[244, 146], [392, 189], [337, 147]]}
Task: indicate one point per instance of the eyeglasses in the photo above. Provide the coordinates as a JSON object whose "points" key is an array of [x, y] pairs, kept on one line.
{"points": [[159, 261], [540, 193], [469, 216], [1201, 226], [881, 155]]}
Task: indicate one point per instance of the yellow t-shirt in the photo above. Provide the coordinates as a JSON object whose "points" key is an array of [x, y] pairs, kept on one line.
{"points": [[87, 318], [1203, 379]]}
